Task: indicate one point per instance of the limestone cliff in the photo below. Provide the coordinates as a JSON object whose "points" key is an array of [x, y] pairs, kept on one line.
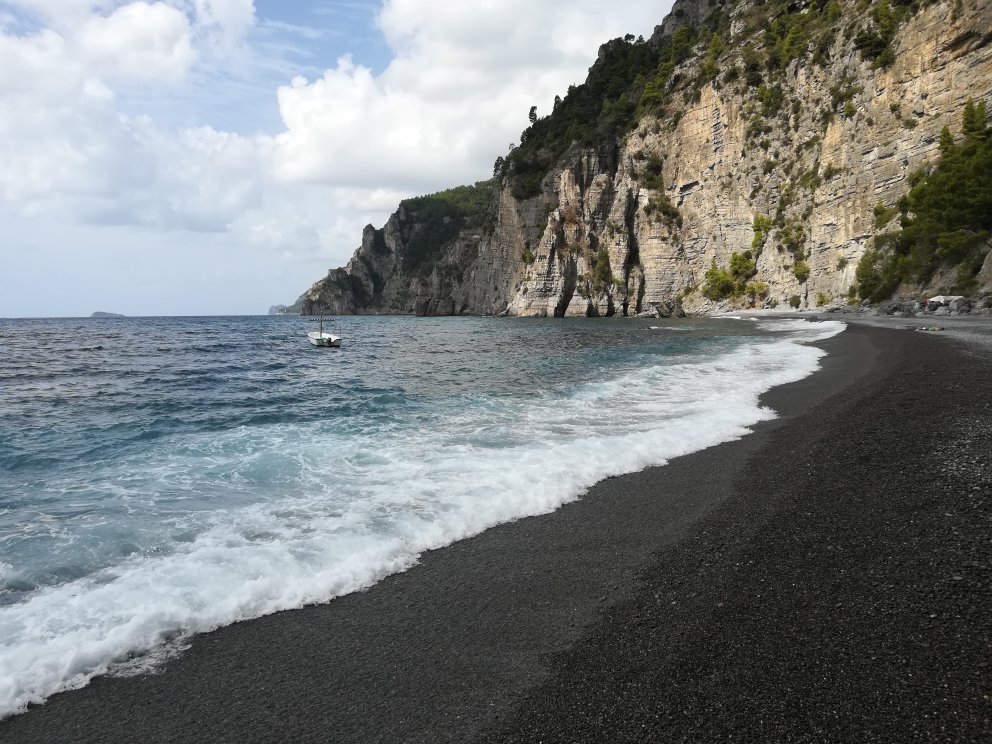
{"points": [[793, 170]]}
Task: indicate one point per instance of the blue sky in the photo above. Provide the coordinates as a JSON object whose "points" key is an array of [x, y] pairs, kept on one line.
{"points": [[301, 38], [287, 39], [186, 157]]}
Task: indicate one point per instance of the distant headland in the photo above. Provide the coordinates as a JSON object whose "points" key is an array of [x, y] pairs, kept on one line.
{"points": [[99, 314]]}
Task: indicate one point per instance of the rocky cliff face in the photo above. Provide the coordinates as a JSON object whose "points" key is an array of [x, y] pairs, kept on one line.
{"points": [[682, 192]]}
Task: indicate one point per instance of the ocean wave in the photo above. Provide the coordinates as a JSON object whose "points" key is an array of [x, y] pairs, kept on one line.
{"points": [[356, 500]]}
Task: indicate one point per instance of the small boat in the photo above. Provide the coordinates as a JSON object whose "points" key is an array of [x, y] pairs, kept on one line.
{"points": [[321, 337]]}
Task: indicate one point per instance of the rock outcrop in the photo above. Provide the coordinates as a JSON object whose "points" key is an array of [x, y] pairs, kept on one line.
{"points": [[682, 192]]}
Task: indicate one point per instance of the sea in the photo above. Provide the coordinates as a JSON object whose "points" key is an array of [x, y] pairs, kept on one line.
{"points": [[162, 477]]}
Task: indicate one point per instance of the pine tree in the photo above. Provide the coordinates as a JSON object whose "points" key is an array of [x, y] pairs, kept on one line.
{"points": [[973, 123], [946, 139], [968, 122]]}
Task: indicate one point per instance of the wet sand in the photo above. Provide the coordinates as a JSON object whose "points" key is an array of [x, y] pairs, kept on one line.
{"points": [[826, 578]]}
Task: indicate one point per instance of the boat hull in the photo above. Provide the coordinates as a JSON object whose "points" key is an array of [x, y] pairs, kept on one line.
{"points": [[317, 338]]}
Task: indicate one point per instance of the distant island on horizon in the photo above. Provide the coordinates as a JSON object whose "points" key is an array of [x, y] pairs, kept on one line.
{"points": [[101, 314]]}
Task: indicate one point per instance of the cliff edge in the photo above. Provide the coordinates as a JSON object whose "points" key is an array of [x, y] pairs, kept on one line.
{"points": [[745, 155]]}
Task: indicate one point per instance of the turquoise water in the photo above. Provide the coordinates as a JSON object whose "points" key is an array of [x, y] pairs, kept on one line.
{"points": [[164, 476]]}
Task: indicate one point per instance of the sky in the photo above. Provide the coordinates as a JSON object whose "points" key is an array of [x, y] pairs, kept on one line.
{"points": [[216, 157]]}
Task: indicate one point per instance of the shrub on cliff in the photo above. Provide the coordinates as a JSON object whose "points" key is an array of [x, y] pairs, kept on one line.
{"points": [[722, 283], [719, 282], [602, 274], [762, 226], [662, 206], [754, 290]]}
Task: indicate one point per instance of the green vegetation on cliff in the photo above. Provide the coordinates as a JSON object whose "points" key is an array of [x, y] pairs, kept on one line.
{"points": [[874, 40], [439, 218], [598, 110], [633, 78], [946, 216], [722, 283]]}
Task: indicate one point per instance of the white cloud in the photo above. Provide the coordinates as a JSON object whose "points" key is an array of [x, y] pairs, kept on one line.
{"points": [[216, 172], [225, 23], [57, 124], [64, 143], [234, 16], [460, 85], [139, 41]]}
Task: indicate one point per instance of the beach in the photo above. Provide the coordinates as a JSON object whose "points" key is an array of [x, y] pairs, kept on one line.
{"points": [[825, 578]]}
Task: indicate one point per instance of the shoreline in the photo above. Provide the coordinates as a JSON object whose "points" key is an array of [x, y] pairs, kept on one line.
{"points": [[473, 640]]}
